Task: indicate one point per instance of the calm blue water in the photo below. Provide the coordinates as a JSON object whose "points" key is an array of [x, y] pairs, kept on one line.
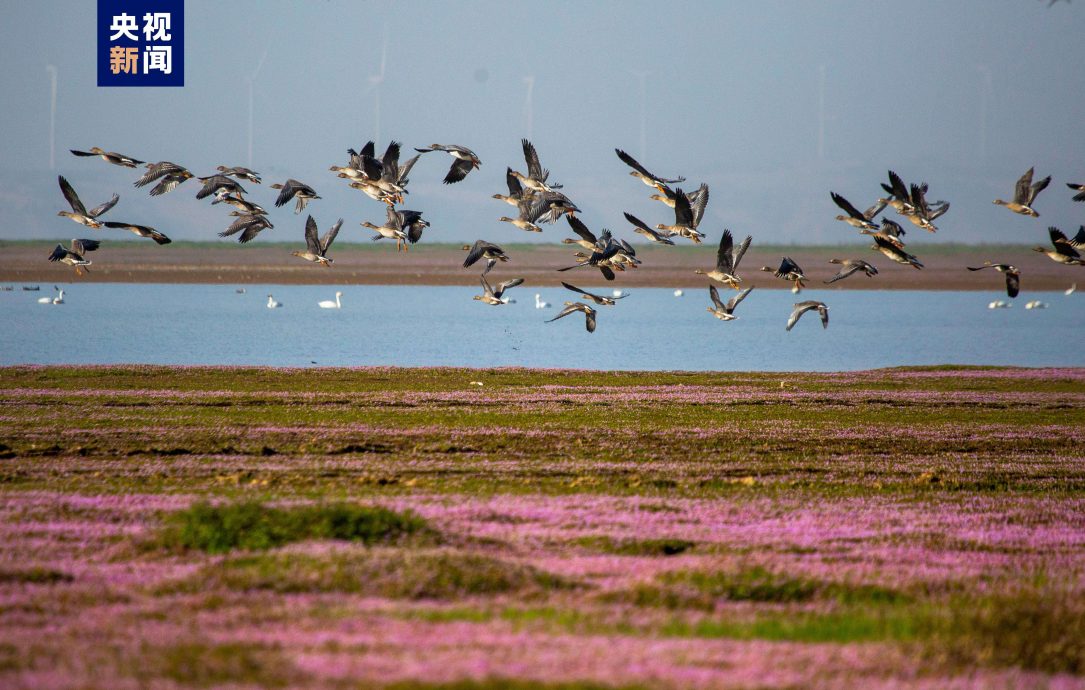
{"points": [[433, 326]]}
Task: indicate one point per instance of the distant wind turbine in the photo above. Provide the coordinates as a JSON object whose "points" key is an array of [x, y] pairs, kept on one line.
{"points": [[52, 70], [985, 92], [375, 81], [529, 106], [642, 75], [821, 112], [259, 66]]}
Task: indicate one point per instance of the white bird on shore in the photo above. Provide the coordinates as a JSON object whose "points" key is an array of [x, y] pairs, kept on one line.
{"points": [[329, 304], [539, 303], [271, 303]]}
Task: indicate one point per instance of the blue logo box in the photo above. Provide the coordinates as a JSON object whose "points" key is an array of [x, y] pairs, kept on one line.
{"points": [[141, 43]]}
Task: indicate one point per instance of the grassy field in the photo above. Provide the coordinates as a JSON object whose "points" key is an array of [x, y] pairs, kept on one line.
{"points": [[409, 528]]}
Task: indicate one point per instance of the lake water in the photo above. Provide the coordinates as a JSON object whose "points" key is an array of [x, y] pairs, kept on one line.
{"points": [[443, 326]]}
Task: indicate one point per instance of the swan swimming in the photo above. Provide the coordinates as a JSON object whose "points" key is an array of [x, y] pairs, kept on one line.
{"points": [[678, 293], [1036, 304], [271, 303], [328, 304], [1000, 304], [539, 303], [59, 299]]}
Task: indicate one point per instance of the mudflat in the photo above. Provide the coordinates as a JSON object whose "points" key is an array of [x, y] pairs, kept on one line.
{"points": [[441, 264]]}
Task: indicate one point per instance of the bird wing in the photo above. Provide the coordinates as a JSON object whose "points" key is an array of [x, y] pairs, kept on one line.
{"points": [[847, 206], [1021, 191], [823, 311], [740, 252], [715, 295], [683, 212], [71, 196], [733, 302], [700, 201], [788, 265], [250, 233], [724, 259], [83, 153], [565, 312], [312, 243], [897, 187], [874, 210], [329, 236], [531, 208], [580, 229], [458, 171], [501, 287], [574, 288], [637, 222], [1037, 188], [168, 184], [287, 192], [844, 273], [238, 225], [102, 208], [1013, 283], [82, 246], [589, 318], [486, 286], [1078, 240], [800, 309], [475, 253], [534, 167], [1062, 243], [632, 163], [405, 170], [58, 253], [515, 188]]}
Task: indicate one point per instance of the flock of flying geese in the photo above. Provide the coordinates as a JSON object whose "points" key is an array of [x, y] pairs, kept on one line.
{"points": [[537, 200]]}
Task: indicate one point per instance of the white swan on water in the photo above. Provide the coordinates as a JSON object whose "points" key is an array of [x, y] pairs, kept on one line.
{"points": [[328, 304], [59, 299], [271, 303], [539, 303]]}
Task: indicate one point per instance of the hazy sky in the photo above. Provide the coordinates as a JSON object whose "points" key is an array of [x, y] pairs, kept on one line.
{"points": [[965, 95]]}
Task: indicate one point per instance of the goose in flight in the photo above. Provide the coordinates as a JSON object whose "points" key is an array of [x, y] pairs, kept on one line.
{"points": [[598, 299], [642, 174], [331, 304], [851, 267], [248, 225], [493, 295], [1024, 194], [240, 173], [585, 237], [603, 250], [240, 204], [79, 212], [316, 248], [788, 270], [668, 195], [536, 178], [396, 227], [516, 190], [863, 220], [1065, 249], [895, 252], [923, 213], [169, 175], [74, 256], [482, 249], [1079, 188], [687, 216], [110, 157], [572, 307], [641, 228], [464, 160], [725, 312], [801, 308], [140, 230], [219, 186], [1013, 275], [292, 189], [530, 209], [727, 260]]}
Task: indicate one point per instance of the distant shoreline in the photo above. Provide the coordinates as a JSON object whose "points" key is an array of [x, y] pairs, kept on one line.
{"points": [[24, 262]]}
